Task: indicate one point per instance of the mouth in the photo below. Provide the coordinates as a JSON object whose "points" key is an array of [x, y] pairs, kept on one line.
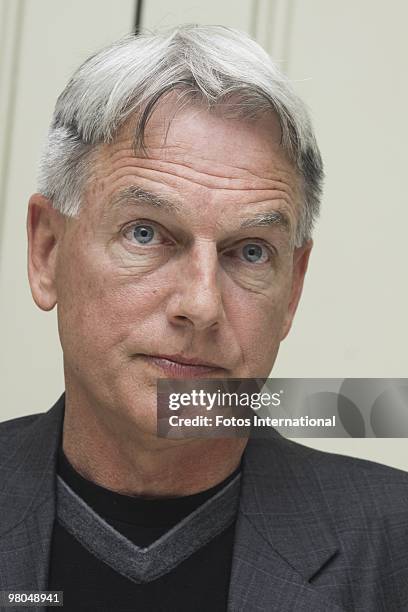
{"points": [[178, 366]]}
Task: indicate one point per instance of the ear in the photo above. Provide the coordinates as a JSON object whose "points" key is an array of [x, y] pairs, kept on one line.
{"points": [[300, 263], [45, 227]]}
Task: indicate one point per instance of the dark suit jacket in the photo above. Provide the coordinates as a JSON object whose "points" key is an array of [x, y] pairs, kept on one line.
{"points": [[316, 532]]}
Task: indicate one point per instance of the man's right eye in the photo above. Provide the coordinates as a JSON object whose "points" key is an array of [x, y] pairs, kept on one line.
{"points": [[143, 234]]}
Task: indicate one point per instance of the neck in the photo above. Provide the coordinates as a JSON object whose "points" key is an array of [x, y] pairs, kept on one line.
{"points": [[126, 460]]}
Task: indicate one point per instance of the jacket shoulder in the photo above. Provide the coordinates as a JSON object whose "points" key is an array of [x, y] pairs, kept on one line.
{"points": [[14, 429], [17, 424], [364, 487], [338, 466]]}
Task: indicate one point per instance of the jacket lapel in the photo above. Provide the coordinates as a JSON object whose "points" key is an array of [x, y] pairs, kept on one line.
{"points": [[283, 534], [27, 501]]}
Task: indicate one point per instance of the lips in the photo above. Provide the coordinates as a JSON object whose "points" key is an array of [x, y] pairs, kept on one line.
{"points": [[179, 366], [194, 361]]}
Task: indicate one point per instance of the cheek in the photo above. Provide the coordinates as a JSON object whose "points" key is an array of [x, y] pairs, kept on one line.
{"points": [[263, 324], [258, 320], [97, 305], [106, 312]]}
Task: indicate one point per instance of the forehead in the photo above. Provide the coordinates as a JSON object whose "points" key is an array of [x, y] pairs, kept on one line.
{"points": [[192, 129], [193, 151]]}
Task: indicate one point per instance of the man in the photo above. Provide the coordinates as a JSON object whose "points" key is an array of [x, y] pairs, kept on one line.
{"points": [[172, 229]]}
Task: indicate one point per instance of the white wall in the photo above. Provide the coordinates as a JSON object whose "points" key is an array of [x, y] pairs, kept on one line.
{"points": [[347, 60]]}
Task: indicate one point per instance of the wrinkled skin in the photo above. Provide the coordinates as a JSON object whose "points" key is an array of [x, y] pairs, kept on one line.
{"points": [[190, 289]]}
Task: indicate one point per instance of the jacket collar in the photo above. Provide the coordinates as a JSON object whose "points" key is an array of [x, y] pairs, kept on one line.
{"points": [[284, 534]]}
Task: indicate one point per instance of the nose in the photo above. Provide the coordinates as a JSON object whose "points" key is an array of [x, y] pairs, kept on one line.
{"points": [[197, 299]]}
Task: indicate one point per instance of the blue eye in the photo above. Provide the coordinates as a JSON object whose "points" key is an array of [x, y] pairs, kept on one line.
{"points": [[143, 233], [253, 253]]}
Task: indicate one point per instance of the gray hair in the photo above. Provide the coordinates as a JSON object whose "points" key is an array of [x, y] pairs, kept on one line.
{"points": [[214, 64]]}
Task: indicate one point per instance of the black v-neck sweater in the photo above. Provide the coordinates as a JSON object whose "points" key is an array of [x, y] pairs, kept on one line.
{"points": [[198, 583]]}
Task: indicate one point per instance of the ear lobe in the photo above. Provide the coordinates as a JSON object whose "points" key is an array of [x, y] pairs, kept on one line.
{"points": [[44, 225], [300, 262]]}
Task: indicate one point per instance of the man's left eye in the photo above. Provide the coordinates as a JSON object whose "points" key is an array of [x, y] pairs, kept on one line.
{"points": [[254, 253]]}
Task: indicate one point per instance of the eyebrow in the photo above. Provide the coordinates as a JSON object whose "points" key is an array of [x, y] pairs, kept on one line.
{"points": [[135, 195], [276, 217]]}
